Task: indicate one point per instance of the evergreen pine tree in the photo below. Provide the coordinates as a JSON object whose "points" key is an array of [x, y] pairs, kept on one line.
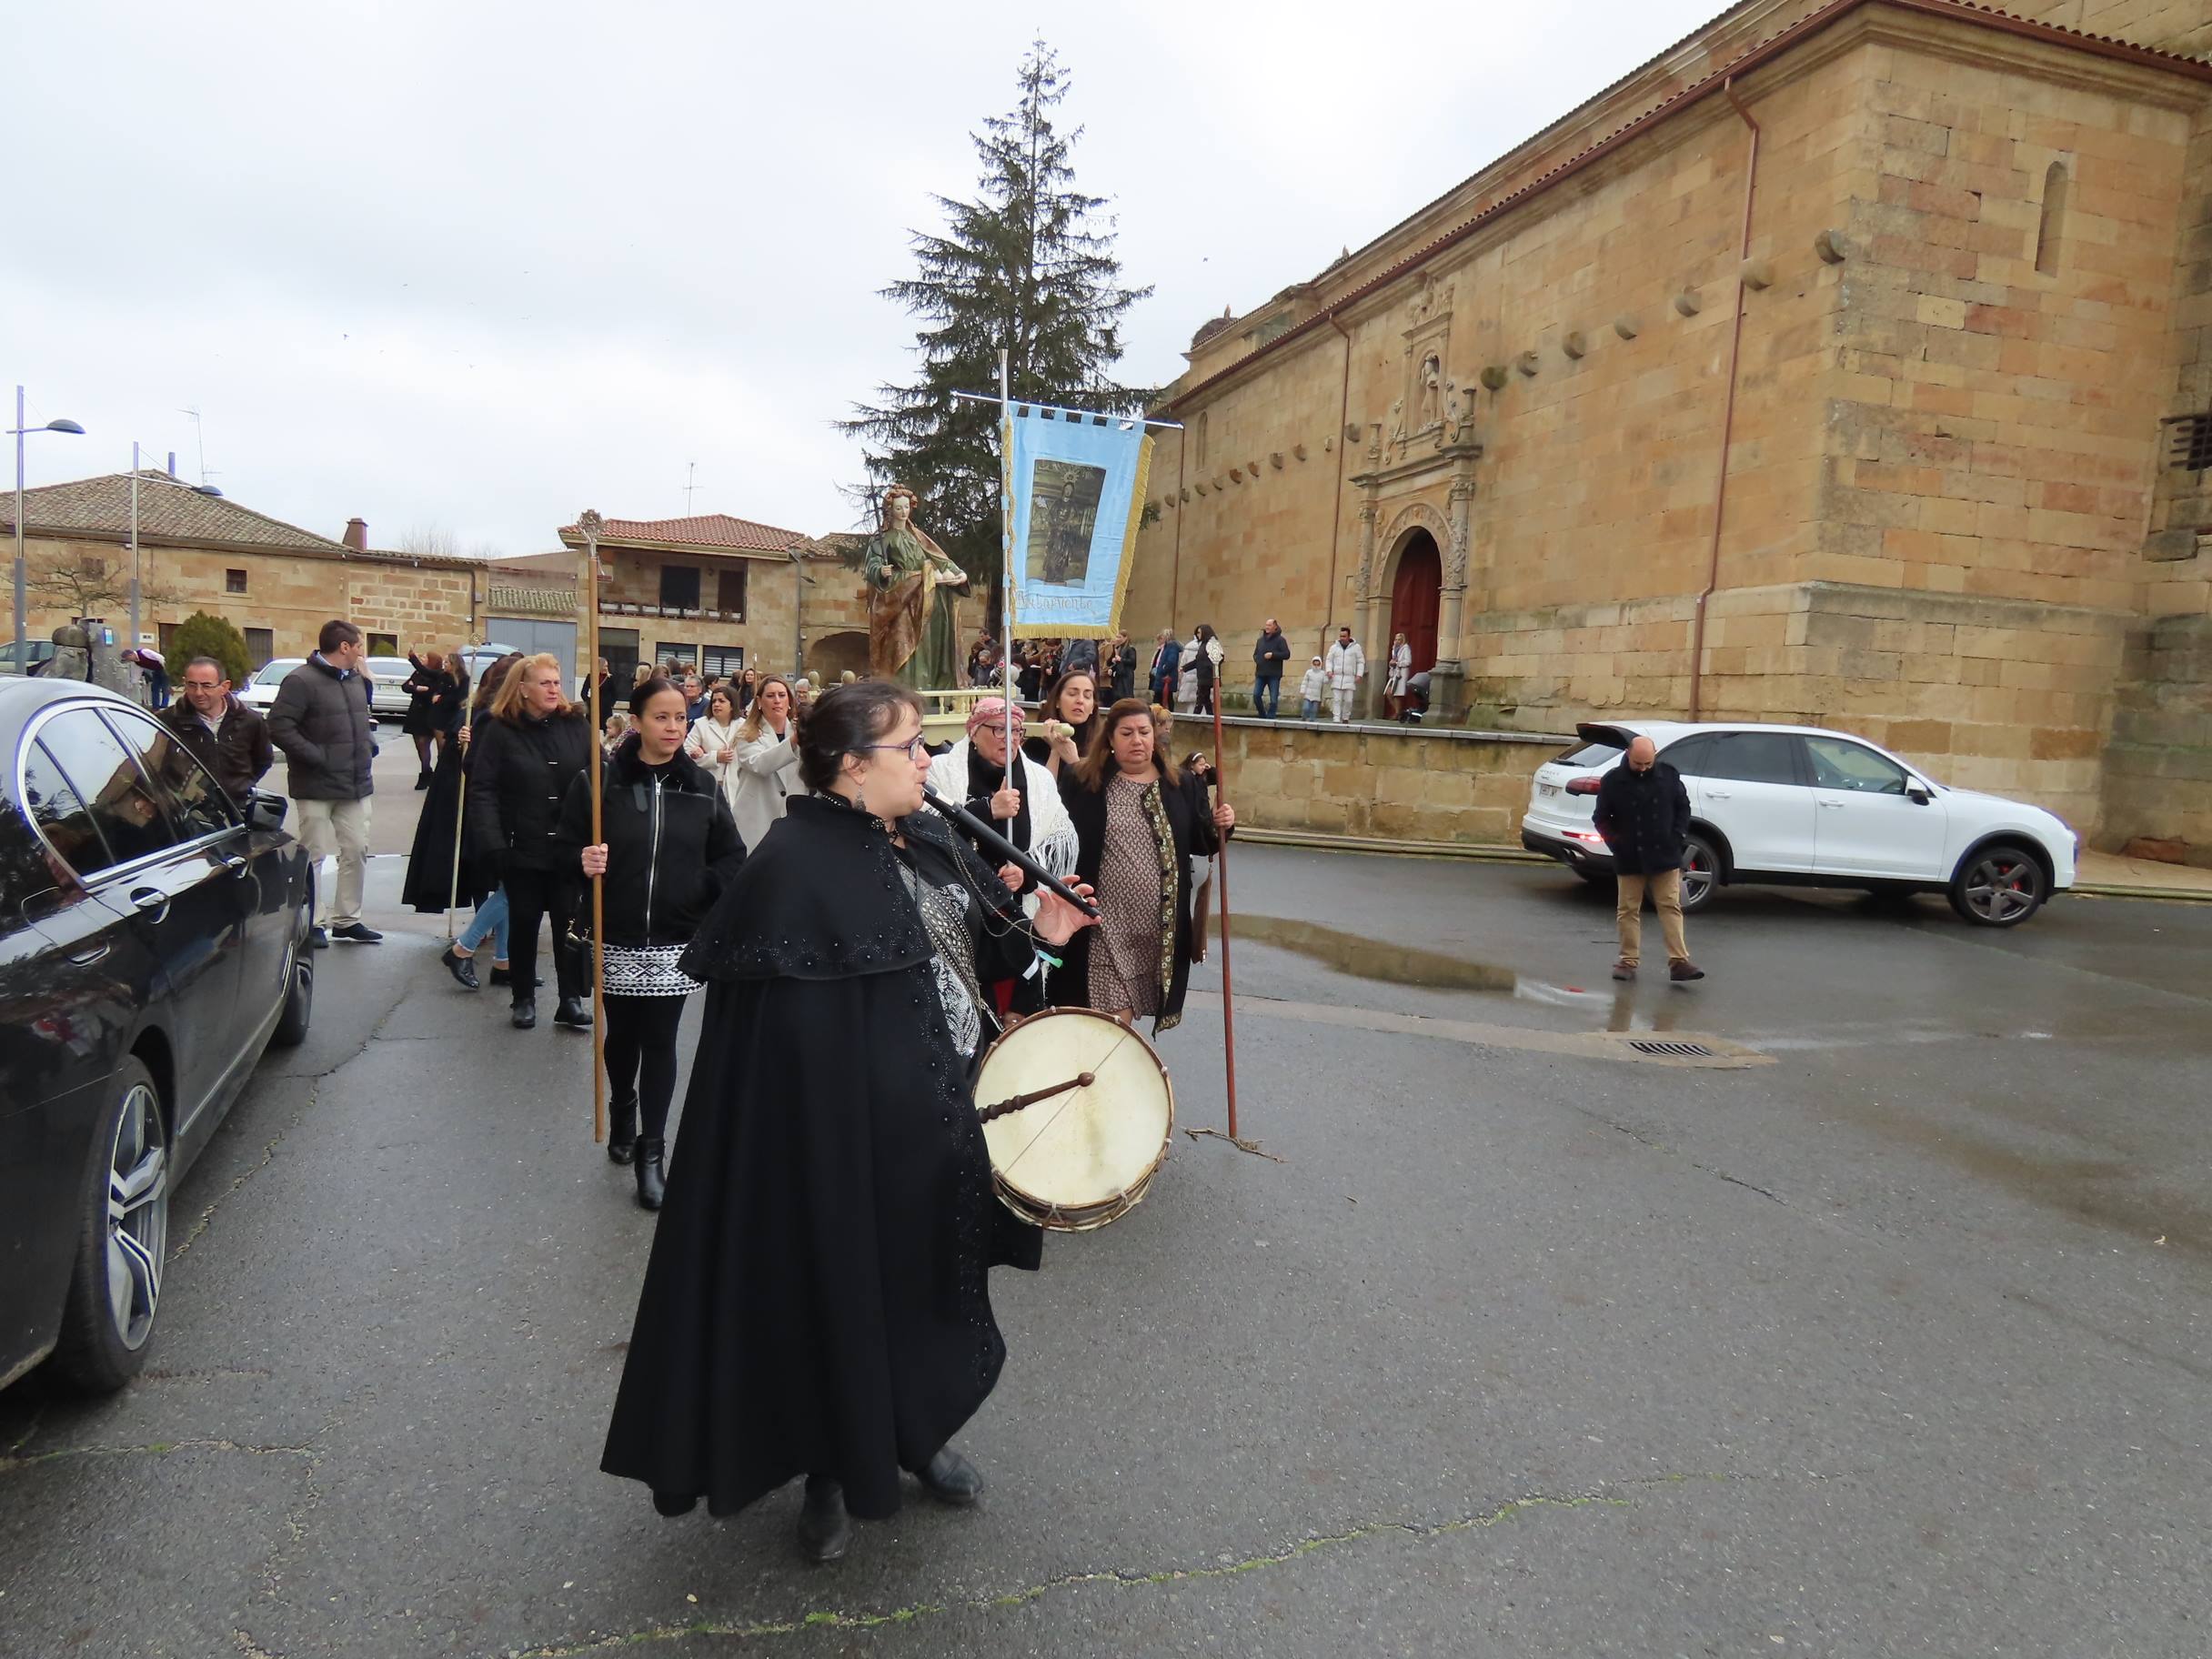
{"points": [[1028, 267]]}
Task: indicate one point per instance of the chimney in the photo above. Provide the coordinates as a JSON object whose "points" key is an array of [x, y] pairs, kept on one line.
{"points": [[172, 463], [356, 535]]}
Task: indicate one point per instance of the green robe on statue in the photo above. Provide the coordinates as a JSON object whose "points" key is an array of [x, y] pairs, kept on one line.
{"points": [[913, 632]]}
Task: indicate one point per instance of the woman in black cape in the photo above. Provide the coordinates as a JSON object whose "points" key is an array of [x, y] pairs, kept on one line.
{"points": [[815, 1303], [428, 884]]}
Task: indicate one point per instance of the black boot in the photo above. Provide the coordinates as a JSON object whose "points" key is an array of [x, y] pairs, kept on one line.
{"points": [[423, 782], [825, 1530], [652, 1179], [622, 1128], [574, 1011], [525, 1013]]}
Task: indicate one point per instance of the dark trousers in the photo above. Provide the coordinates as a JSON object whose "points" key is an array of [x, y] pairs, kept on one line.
{"points": [[641, 1055], [1267, 695], [532, 895], [1205, 697]]}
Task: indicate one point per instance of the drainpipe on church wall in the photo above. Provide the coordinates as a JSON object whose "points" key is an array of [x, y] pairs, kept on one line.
{"points": [[1336, 506], [1719, 477]]}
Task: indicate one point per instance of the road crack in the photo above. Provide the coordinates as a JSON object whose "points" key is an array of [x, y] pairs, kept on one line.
{"points": [[156, 1448]]}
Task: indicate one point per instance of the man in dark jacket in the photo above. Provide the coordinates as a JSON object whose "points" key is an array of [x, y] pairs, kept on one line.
{"points": [[224, 734], [1643, 813], [1268, 655], [322, 722]]}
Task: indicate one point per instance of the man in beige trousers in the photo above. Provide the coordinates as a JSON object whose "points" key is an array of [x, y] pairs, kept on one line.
{"points": [[321, 721], [1643, 813]]}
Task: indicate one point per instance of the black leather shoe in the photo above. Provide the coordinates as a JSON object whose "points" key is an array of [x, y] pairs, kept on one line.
{"points": [[825, 1530], [317, 940], [501, 976], [622, 1128], [652, 1180], [523, 1014], [358, 933], [952, 1478], [463, 969], [573, 1011]]}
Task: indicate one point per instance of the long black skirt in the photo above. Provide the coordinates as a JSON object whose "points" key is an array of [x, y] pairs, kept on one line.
{"points": [[429, 877]]}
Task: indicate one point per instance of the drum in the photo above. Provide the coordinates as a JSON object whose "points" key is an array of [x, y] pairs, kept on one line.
{"points": [[1077, 1111]]}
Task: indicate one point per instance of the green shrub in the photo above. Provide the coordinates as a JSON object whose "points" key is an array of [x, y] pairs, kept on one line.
{"points": [[202, 634]]}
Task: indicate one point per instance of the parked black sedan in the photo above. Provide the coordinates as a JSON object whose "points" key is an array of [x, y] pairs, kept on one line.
{"points": [[153, 940]]}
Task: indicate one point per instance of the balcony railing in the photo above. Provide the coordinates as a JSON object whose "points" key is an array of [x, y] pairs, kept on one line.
{"points": [[674, 613]]}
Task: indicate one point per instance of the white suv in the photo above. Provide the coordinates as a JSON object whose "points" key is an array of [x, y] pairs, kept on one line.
{"points": [[1805, 807]]}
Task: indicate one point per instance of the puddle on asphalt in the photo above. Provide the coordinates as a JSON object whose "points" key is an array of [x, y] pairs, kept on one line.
{"points": [[1394, 964]]}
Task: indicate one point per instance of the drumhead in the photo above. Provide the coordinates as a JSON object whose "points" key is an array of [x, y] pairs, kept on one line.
{"points": [[1084, 1156]]}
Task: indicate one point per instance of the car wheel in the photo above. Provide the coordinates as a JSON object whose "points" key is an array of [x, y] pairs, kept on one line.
{"points": [[298, 999], [124, 1238], [1701, 873], [1998, 886]]}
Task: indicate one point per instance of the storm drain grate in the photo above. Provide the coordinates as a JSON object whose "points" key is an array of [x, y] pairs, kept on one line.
{"points": [[1683, 1050]]}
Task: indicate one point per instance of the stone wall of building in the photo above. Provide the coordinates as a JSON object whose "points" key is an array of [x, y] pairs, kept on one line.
{"points": [[1399, 783]]}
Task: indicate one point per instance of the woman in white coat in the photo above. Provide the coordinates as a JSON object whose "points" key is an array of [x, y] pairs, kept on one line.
{"points": [[712, 743], [1025, 809], [766, 770]]}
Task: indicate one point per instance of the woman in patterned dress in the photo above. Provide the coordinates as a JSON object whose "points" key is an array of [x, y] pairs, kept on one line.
{"points": [[1139, 822], [671, 847]]}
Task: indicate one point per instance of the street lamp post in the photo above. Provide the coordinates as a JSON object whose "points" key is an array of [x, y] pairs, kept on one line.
{"points": [[17, 432], [197, 489]]}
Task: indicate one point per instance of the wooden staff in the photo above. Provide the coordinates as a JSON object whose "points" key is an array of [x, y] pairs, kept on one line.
{"points": [[1229, 1007], [588, 522], [460, 811]]}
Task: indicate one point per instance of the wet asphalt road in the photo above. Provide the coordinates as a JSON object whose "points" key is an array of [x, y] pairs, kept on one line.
{"points": [[1895, 1342]]}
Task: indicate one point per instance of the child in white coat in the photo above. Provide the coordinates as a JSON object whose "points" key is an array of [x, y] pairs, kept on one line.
{"points": [[1310, 690]]}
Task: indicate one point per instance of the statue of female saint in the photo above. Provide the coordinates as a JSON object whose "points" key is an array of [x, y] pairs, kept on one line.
{"points": [[912, 634]]}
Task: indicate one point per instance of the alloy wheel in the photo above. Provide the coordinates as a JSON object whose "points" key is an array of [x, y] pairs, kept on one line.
{"points": [[138, 1215], [2002, 886], [1698, 875]]}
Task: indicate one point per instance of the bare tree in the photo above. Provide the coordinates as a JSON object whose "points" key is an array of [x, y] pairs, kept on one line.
{"points": [[430, 542], [86, 585]]}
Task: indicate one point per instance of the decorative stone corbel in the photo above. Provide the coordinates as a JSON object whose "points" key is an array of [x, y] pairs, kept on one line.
{"points": [[1253, 467], [1199, 488], [1689, 302], [1757, 273], [1626, 327], [1351, 432], [1236, 475], [1297, 449], [1575, 342], [1493, 377], [1527, 364], [1833, 246], [1274, 459]]}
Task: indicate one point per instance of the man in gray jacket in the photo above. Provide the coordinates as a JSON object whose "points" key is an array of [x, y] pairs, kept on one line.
{"points": [[321, 721]]}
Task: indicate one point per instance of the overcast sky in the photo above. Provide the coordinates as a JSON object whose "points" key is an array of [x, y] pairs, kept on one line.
{"points": [[475, 267]]}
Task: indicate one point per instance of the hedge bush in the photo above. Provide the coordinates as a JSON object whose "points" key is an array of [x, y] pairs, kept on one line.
{"points": [[202, 634]]}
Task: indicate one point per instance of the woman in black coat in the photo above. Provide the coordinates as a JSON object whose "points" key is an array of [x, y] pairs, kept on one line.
{"points": [[668, 847], [430, 691], [1139, 822], [520, 764], [817, 1301]]}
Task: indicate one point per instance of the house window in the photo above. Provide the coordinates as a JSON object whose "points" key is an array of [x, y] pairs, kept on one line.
{"points": [[679, 587], [383, 645], [730, 590], [723, 661], [2188, 442], [234, 581], [683, 658], [260, 646], [2053, 226], [1201, 440]]}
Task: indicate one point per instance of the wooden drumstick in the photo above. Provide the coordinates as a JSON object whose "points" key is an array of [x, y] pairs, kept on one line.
{"points": [[1081, 1080]]}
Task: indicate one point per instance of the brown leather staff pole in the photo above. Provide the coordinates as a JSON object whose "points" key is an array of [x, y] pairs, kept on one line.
{"points": [[1229, 1006], [588, 522]]}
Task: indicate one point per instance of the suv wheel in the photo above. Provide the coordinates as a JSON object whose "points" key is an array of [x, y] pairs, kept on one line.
{"points": [[123, 1237], [1701, 872], [1998, 886]]}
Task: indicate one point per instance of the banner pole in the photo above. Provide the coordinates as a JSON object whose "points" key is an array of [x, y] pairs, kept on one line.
{"points": [[1229, 1006], [588, 522], [1006, 550]]}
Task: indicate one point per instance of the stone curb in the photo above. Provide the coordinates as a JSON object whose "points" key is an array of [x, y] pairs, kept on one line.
{"points": [[1498, 853]]}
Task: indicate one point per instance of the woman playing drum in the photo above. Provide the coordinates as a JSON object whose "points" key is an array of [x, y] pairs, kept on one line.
{"points": [[816, 1301]]}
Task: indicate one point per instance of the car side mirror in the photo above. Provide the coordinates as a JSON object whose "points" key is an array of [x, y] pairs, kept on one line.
{"points": [[1919, 796], [265, 811]]}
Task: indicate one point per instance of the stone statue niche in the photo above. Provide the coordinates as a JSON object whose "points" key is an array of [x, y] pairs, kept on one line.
{"points": [[1431, 392]]}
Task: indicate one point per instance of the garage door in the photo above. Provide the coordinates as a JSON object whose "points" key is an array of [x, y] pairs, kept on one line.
{"points": [[530, 635]]}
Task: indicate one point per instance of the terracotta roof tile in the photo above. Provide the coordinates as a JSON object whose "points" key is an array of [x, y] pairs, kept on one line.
{"points": [[166, 511], [708, 530]]}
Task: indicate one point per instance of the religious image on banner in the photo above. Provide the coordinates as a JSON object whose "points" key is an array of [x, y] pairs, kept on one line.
{"points": [[1078, 493]]}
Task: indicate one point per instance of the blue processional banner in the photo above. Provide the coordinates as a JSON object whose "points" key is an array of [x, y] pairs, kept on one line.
{"points": [[1078, 493]]}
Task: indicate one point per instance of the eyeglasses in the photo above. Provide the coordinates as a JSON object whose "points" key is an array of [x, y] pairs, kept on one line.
{"points": [[916, 750]]}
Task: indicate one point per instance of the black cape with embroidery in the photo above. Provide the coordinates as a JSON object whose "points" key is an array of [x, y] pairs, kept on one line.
{"points": [[816, 1301]]}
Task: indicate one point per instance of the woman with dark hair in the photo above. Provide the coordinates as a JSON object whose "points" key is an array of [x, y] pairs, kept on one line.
{"points": [[1206, 666], [816, 1301], [431, 884], [522, 761], [1139, 822], [428, 687], [1071, 721], [668, 847]]}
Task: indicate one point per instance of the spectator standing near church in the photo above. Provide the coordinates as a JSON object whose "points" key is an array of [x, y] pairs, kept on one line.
{"points": [[322, 722], [1643, 813], [1312, 689], [1269, 654], [1347, 666]]}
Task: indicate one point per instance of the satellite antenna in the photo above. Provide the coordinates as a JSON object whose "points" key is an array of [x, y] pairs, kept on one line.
{"points": [[200, 436]]}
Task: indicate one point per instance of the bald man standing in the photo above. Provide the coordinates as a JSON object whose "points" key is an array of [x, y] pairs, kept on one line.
{"points": [[1643, 813]]}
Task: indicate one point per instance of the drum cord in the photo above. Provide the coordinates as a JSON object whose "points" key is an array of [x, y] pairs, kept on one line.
{"points": [[1097, 1070]]}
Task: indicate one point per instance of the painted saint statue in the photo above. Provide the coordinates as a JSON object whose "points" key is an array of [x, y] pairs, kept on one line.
{"points": [[913, 636]]}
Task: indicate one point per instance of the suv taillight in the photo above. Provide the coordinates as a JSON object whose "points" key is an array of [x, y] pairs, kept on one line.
{"points": [[1582, 786]]}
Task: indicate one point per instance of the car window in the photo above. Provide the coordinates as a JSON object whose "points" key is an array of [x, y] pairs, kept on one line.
{"points": [[1753, 757], [60, 816], [1690, 756], [1840, 765], [196, 802], [273, 673], [1591, 754], [105, 782]]}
